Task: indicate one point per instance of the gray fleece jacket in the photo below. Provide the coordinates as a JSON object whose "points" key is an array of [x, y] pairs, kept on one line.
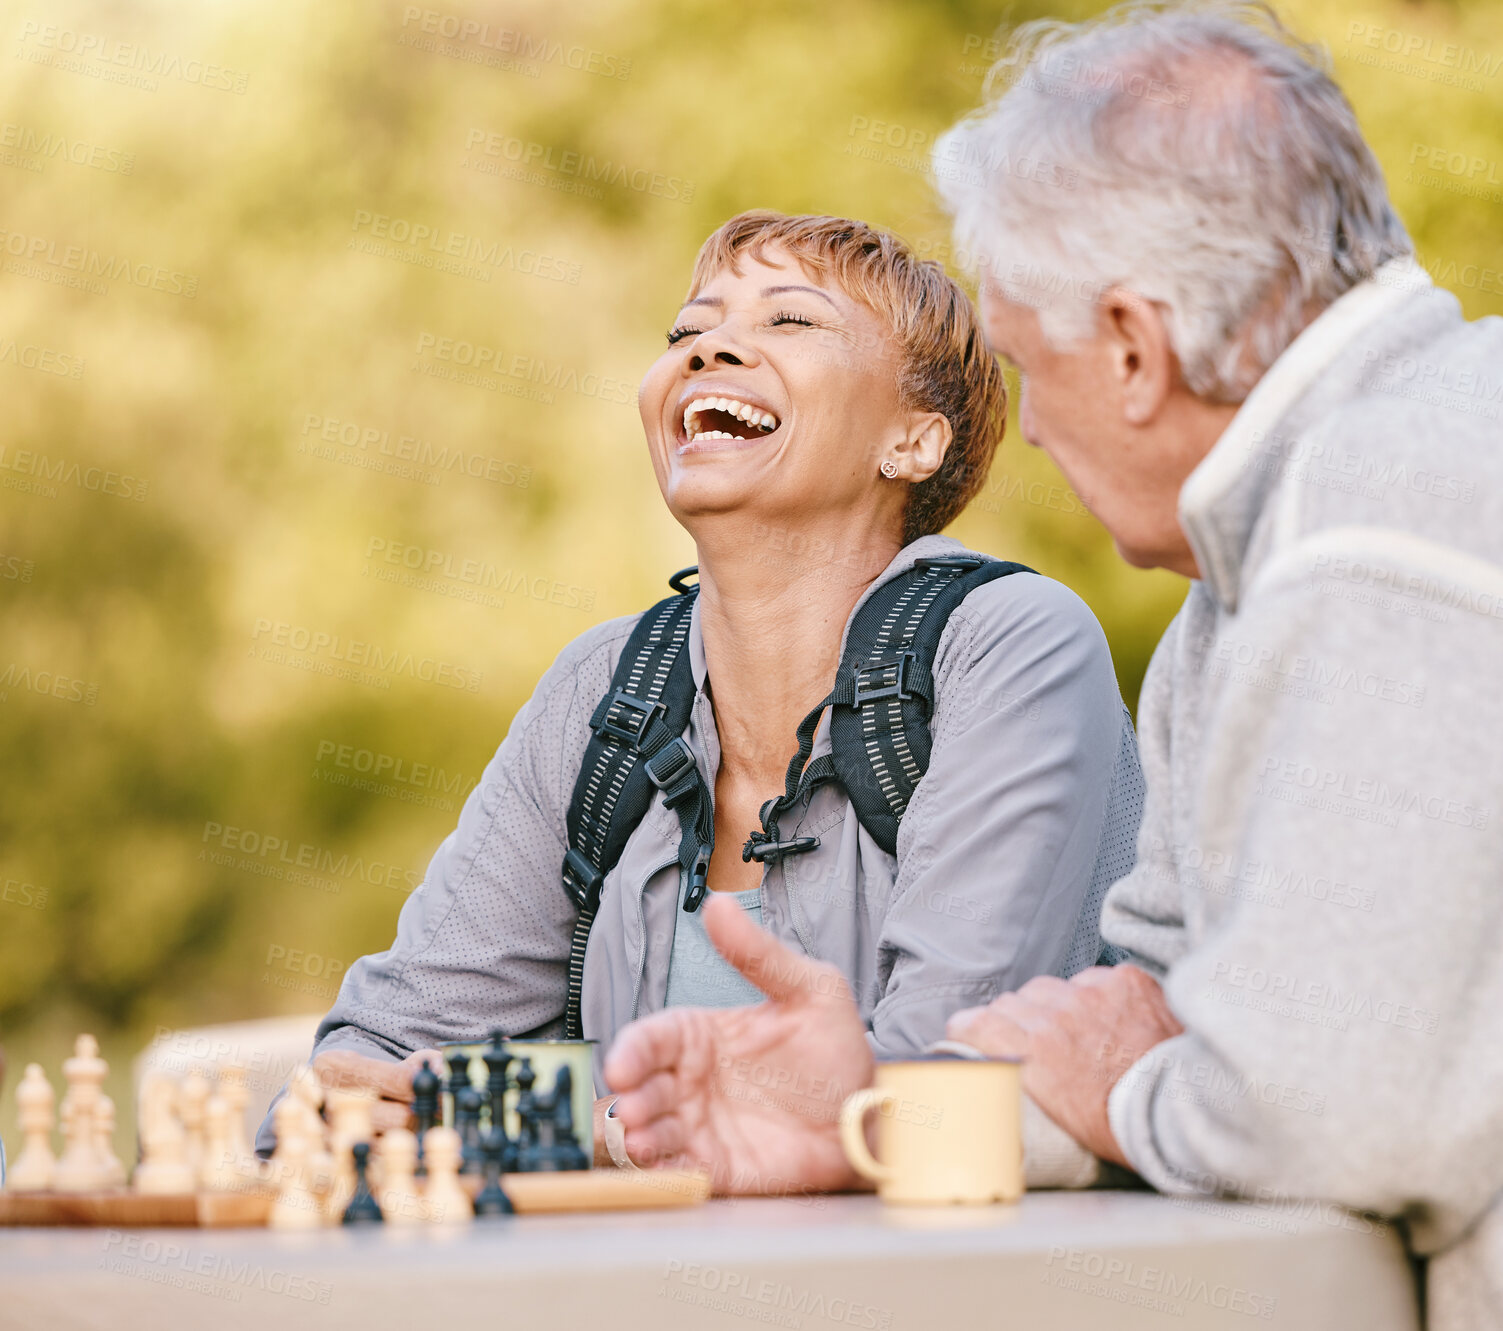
{"points": [[1320, 869]]}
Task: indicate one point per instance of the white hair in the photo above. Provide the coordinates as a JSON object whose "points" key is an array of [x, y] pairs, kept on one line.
{"points": [[1196, 154]]}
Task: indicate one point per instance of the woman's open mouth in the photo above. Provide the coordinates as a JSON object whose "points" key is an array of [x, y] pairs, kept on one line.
{"points": [[725, 419]]}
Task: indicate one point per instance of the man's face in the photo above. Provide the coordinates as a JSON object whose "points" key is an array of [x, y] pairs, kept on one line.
{"points": [[1073, 406]]}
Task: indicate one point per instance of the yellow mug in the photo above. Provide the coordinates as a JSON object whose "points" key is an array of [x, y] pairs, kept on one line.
{"points": [[951, 1130]]}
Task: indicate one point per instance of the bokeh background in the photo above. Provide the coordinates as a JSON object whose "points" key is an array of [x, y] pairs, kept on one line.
{"points": [[278, 562]]}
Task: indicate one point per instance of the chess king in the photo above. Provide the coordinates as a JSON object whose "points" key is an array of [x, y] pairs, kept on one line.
{"points": [[824, 406]]}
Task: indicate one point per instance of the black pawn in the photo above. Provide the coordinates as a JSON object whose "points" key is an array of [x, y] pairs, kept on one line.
{"points": [[363, 1208], [571, 1154], [491, 1200], [467, 1122], [425, 1085], [527, 1116]]}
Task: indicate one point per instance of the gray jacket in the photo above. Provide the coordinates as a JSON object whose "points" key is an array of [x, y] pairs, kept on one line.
{"points": [[1322, 852], [1028, 812]]}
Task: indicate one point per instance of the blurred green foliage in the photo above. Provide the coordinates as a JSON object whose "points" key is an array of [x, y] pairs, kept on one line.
{"points": [[226, 166]]}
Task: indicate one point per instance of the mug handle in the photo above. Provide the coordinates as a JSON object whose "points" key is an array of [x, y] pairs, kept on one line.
{"points": [[853, 1131]]}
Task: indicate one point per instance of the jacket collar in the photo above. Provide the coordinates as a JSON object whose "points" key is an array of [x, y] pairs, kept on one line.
{"points": [[1222, 499]]}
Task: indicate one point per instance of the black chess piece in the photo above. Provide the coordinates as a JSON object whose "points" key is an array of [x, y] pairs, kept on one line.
{"points": [[526, 1118], [425, 1085], [465, 1102], [363, 1208], [497, 1061], [492, 1200], [571, 1155]]}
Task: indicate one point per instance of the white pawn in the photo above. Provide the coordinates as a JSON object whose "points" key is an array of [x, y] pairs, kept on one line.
{"points": [[35, 1100], [236, 1095], [112, 1172], [447, 1202], [220, 1169], [295, 1206], [349, 1122], [192, 1100], [164, 1170], [82, 1168], [401, 1203]]}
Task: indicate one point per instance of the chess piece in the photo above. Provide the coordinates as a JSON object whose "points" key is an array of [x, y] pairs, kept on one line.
{"points": [[491, 1200], [82, 1168], [35, 1100], [221, 1171], [524, 1152], [363, 1208], [447, 1202], [349, 1122], [425, 1086], [401, 1203], [236, 1096], [465, 1102], [571, 1155], [111, 1170], [497, 1062], [164, 1169], [295, 1207], [192, 1100]]}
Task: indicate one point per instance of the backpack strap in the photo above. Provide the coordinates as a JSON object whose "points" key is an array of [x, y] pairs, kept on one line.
{"points": [[637, 748], [881, 703]]}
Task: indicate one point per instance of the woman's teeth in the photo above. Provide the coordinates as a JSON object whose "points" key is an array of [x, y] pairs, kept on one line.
{"points": [[737, 410]]}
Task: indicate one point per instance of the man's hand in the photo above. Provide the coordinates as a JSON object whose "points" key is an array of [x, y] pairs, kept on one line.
{"points": [[753, 1093], [1076, 1037], [344, 1069]]}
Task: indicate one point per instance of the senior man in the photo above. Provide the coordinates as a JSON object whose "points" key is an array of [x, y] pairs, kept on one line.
{"points": [[1228, 349]]}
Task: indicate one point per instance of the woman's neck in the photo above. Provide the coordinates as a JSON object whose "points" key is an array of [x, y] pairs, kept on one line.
{"points": [[773, 604]]}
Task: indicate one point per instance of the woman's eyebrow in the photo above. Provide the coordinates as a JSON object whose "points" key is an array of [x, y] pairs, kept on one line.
{"points": [[766, 291]]}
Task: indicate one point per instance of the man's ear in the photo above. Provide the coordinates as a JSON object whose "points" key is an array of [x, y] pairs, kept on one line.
{"points": [[1142, 358], [924, 444]]}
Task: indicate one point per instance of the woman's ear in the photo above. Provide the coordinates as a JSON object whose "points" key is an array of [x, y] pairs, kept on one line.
{"points": [[921, 451]]}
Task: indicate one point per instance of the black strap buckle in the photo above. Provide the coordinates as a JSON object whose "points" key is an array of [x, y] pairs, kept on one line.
{"points": [[677, 580], [699, 879], [764, 849], [623, 727], [884, 688], [964, 563], [582, 881], [670, 764]]}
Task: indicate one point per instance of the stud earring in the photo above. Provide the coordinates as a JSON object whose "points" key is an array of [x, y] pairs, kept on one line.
{"points": [[889, 468]]}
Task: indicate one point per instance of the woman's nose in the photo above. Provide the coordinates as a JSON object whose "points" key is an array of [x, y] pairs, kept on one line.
{"points": [[719, 346]]}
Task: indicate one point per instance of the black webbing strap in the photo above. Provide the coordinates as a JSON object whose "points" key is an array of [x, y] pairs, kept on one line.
{"points": [[882, 701], [884, 693], [636, 748]]}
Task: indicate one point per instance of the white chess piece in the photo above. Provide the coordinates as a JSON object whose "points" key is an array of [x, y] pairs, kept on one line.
{"points": [[236, 1096], [112, 1172], [220, 1170], [82, 1169], [447, 1202], [164, 1168], [192, 1100], [349, 1122], [295, 1207], [35, 1100], [401, 1202]]}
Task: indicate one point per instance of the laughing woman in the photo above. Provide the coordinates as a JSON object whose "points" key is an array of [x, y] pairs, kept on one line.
{"points": [[824, 407]]}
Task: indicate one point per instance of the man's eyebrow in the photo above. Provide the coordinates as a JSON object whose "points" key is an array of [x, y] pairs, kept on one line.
{"points": [[766, 291]]}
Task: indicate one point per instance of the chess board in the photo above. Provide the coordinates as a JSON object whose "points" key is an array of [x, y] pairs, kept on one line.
{"points": [[531, 1194]]}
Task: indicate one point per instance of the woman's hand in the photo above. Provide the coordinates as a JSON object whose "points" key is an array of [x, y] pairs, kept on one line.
{"points": [[752, 1093], [391, 1083]]}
